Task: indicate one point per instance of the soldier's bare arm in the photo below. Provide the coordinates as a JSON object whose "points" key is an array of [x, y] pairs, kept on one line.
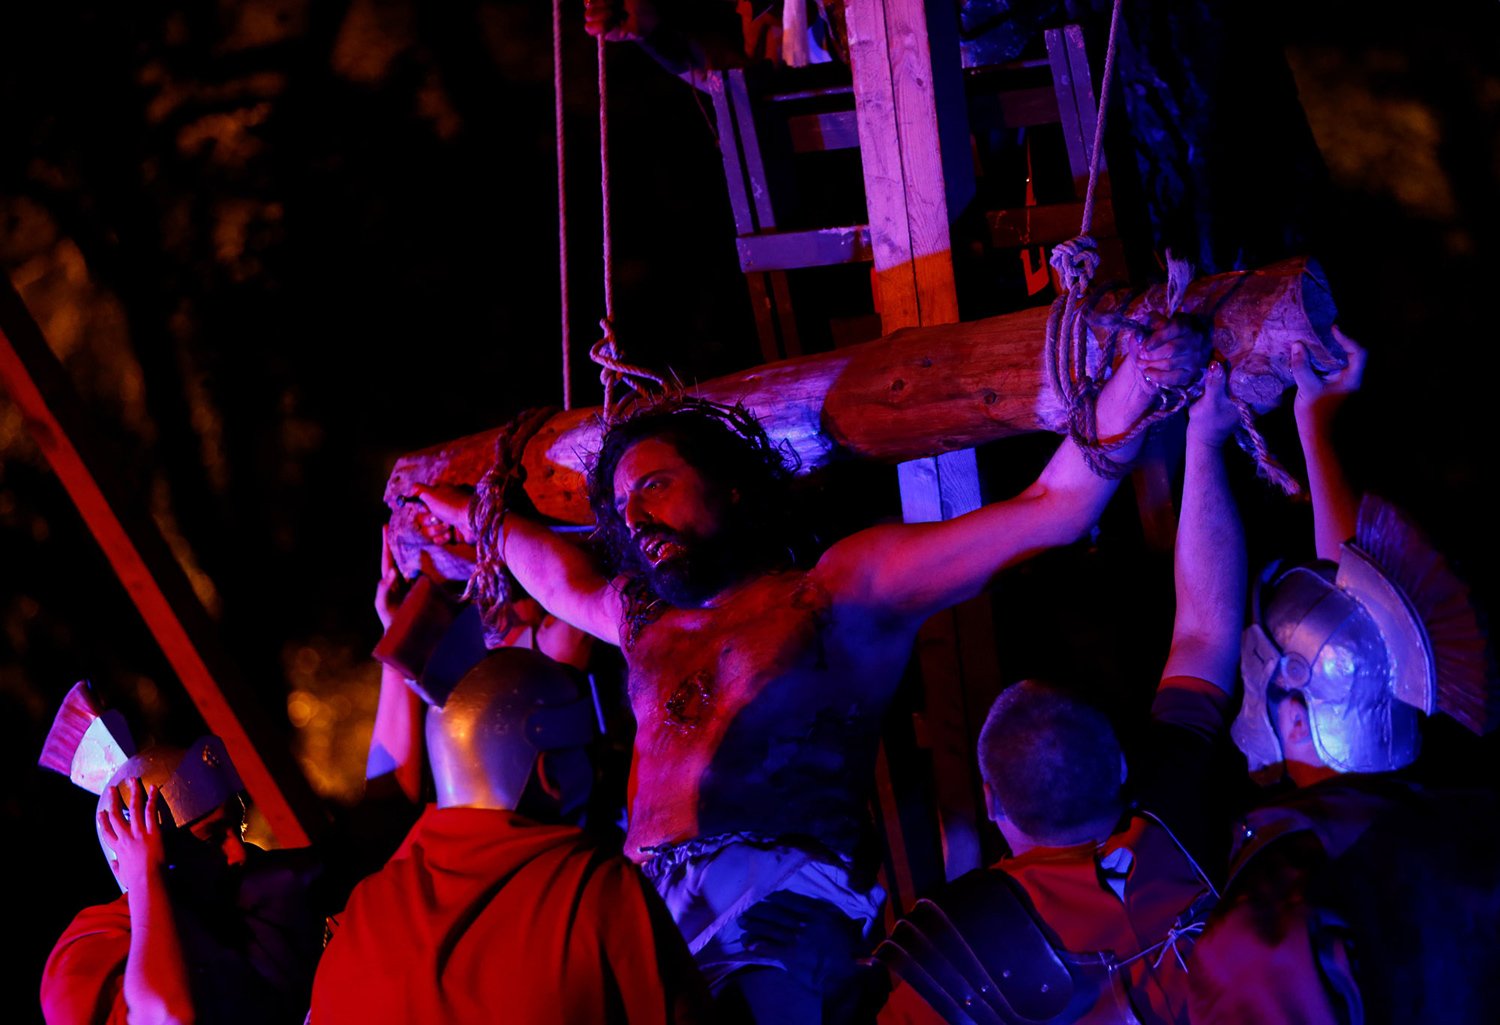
{"points": [[1210, 561], [1335, 504]]}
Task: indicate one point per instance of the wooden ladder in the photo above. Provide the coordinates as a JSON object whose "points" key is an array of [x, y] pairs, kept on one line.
{"points": [[771, 119]]}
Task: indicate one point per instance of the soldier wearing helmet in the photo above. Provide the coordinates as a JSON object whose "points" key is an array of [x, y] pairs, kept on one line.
{"points": [[207, 927], [1356, 895], [497, 903]]}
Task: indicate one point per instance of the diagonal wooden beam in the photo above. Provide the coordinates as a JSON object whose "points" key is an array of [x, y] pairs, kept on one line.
{"points": [[54, 416]]}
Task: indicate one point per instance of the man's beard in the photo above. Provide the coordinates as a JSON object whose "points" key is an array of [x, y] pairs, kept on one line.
{"points": [[695, 569]]}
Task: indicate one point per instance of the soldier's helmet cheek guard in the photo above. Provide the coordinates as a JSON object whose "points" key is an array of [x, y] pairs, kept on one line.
{"points": [[1252, 729], [1348, 641]]}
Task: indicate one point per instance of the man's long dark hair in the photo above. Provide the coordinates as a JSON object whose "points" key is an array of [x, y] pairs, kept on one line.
{"points": [[728, 446]]}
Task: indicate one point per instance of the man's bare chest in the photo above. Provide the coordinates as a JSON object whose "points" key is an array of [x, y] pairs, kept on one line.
{"points": [[692, 668]]}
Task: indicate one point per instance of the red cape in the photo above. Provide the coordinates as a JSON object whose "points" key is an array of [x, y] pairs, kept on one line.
{"points": [[249, 962], [485, 915], [86, 970]]}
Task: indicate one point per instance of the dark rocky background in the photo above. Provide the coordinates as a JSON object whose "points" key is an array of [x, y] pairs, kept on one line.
{"points": [[278, 243]]}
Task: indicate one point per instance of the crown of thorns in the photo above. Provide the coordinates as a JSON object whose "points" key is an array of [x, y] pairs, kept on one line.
{"points": [[779, 458]]}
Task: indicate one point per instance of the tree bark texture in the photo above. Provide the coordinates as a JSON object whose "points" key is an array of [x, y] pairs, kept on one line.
{"points": [[913, 393]]}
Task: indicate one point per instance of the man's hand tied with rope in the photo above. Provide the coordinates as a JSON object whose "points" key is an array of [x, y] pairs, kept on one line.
{"points": [[1085, 348], [1077, 371], [1168, 355], [477, 516]]}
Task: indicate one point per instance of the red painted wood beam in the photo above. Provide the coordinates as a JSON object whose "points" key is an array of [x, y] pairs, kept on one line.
{"points": [[54, 416]]}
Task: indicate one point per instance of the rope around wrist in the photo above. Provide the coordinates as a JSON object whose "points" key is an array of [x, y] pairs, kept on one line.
{"points": [[500, 490]]}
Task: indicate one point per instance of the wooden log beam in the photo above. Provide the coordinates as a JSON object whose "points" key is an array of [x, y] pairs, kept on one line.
{"points": [[914, 393], [57, 421]]}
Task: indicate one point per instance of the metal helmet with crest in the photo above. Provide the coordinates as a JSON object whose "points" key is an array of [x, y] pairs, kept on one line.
{"points": [[93, 747], [1370, 644]]}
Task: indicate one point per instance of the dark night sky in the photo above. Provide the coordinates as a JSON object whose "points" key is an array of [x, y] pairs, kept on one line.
{"points": [[278, 244]]}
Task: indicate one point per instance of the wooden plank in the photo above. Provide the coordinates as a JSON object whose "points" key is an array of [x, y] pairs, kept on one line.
{"points": [[901, 154], [870, 57], [1075, 98], [839, 129], [939, 488], [1081, 78], [1045, 225], [744, 173], [775, 321], [818, 133], [1078, 112], [950, 98], [1024, 108], [729, 151], [821, 93], [818, 247], [897, 876], [906, 193], [758, 286], [755, 168], [786, 317], [56, 420]]}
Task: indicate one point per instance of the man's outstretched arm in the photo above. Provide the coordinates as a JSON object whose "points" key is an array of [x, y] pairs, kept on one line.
{"points": [[914, 570], [554, 571], [1210, 562], [562, 577]]}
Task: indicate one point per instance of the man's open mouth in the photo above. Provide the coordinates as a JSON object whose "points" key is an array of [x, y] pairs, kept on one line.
{"points": [[658, 548]]}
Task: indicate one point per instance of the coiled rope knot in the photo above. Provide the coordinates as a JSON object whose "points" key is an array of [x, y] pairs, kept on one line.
{"points": [[501, 489], [614, 371], [1076, 261], [1078, 375]]}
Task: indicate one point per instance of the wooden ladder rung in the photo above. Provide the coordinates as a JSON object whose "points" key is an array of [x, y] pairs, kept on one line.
{"points": [[814, 133], [818, 247]]}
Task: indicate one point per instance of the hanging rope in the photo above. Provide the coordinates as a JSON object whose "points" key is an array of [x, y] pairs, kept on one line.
{"points": [[562, 203], [1075, 377], [1098, 151], [608, 253], [614, 371], [1267, 467]]}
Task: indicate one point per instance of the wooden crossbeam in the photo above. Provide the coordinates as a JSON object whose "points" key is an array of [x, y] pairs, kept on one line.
{"points": [[918, 392]]}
